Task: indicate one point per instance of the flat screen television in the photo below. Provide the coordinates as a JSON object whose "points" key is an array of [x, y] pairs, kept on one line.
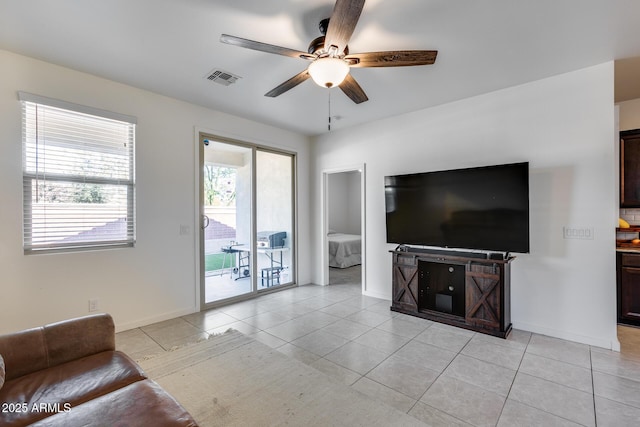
{"points": [[483, 208]]}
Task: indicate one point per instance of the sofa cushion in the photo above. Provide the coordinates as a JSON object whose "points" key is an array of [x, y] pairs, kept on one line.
{"points": [[143, 404], [2, 371], [71, 383]]}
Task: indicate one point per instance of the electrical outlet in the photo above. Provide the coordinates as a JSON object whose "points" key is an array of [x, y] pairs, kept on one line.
{"points": [[583, 233], [94, 305]]}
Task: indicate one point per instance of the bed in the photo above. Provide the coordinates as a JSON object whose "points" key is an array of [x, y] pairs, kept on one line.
{"points": [[344, 250]]}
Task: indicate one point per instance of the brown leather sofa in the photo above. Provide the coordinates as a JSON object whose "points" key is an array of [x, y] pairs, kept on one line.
{"points": [[69, 374]]}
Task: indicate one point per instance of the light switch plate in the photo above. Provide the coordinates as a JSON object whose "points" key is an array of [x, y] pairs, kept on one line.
{"points": [[583, 233]]}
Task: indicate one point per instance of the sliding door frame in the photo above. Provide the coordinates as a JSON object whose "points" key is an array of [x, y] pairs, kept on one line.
{"points": [[200, 136]]}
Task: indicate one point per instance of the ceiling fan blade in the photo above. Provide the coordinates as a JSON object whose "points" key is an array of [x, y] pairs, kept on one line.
{"points": [[289, 84], [352, 89], [343, 21], [392, 58], [264, 47]]}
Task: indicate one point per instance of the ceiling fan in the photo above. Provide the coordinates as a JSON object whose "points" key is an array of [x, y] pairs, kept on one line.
{"points": [[330, 60]]}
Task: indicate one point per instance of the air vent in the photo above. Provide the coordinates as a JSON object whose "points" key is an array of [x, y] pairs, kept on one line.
{"points": [[222, 77]]}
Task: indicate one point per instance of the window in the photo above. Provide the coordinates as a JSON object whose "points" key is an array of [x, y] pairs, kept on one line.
{"points": [[78, 176]]}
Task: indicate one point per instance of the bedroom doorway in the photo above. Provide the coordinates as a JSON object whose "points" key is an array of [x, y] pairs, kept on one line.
{"points": [[344, 227]]}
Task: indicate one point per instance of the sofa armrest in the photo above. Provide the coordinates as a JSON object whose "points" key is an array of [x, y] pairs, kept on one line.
{"points": [[40, 348]]}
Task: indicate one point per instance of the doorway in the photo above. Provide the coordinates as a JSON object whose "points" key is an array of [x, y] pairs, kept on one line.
{"points": [[247, 239], [344, 227]]}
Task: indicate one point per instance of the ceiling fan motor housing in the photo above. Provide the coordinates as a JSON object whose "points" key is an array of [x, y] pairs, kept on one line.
{"points": [[316, 47], [323, 25]]}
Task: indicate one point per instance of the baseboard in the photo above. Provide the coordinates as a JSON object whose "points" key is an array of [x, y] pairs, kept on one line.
{"points": [[379, 295], [609, 344], [154, 319]]}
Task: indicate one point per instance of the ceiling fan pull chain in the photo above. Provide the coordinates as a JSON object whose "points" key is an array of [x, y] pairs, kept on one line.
{"points": [[329, 123]]}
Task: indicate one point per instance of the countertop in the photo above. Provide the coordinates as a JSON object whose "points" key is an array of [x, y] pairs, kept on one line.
{"points": [[626, 245], [629, 250]]}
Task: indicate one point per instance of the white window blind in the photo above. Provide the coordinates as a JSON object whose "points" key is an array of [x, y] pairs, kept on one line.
{"points": [[78, 176]]}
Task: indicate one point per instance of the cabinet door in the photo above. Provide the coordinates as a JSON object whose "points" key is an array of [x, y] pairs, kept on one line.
{"points": [[483, 296], [630, 169], [630, 293], [405, 283]]}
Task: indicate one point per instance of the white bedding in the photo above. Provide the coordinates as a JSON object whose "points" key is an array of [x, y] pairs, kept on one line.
{"points": [[345, 250]]}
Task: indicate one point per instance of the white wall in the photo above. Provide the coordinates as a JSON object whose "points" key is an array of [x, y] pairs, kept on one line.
{"points": [[354, 203], [630, 114], [157, 279], [344, 202], [564, 127]]}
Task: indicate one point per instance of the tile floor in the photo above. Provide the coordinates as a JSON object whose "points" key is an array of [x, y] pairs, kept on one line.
{"points": [[438, 374]]}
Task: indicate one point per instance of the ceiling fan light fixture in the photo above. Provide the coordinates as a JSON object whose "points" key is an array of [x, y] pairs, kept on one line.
{"points": [[328, 72]]}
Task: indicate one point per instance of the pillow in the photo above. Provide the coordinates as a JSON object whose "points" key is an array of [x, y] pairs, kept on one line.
{"points": [[2, 371], [331, 232]]}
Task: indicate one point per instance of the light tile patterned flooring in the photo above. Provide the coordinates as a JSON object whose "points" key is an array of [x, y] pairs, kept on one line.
{"points": [[438, 374]]}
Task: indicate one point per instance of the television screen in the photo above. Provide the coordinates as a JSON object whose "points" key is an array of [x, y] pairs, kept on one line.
{"points": [[484, 208]]}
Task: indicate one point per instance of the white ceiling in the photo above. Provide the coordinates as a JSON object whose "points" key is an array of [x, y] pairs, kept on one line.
{"points": [[169, 46]]}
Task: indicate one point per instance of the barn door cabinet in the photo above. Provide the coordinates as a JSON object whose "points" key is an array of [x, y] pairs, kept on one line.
{"points": [[468, 290]]}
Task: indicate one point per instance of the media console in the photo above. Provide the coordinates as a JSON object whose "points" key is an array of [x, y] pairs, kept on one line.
{"points": [[470, 290]]}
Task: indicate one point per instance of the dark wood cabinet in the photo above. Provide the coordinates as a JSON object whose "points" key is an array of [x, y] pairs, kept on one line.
{"points": [[630, 169], [628, 266], [468, 290], [484, 307], [405, 281]]}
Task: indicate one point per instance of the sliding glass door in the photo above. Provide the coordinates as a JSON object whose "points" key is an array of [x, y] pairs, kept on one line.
{"points": [[247, 231], [274, 218], [226, 222]]}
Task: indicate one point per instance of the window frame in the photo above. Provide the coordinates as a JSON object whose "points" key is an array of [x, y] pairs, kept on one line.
{"points": [[72, 178]]}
